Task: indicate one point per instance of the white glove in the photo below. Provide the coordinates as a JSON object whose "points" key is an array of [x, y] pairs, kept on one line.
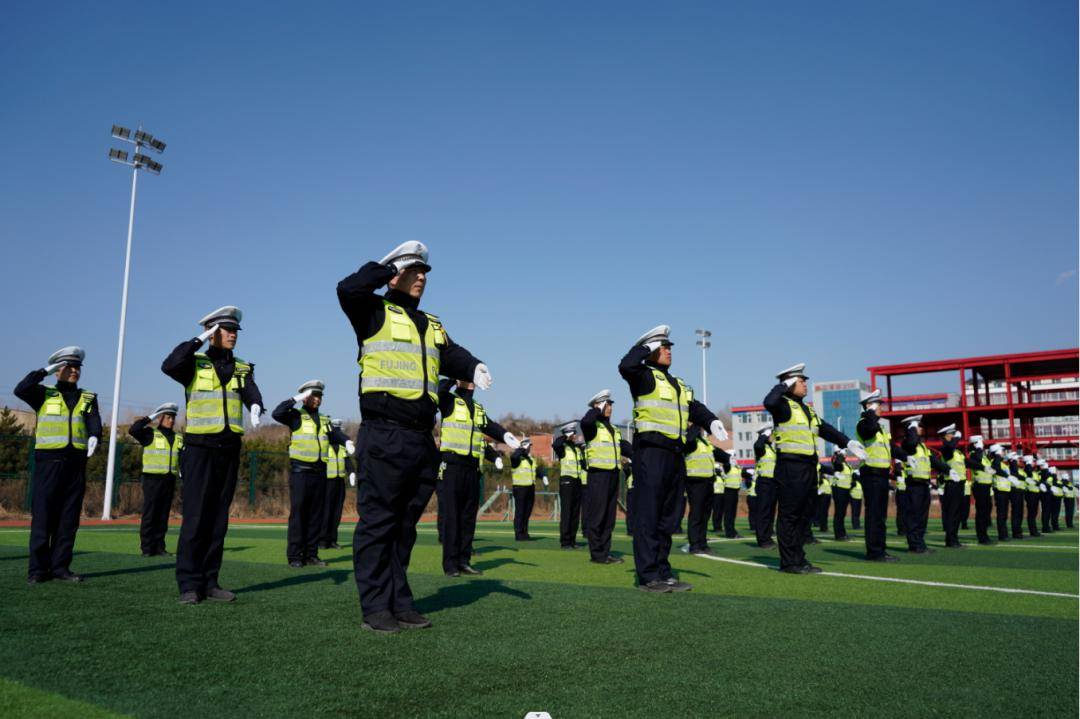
{"points": [[91, 446], [653, 346], [544, 480], [255, 411], [482, 377], [299, 398], [821, 490], [1015, 482], [511, 441], [718, 431], [979, 445], [352, 479], [350, 448], [498, 463], [53, 367], [954, 475], [959, 435], [790, 382], [857, 449], [1042, 488], [208, 334]]}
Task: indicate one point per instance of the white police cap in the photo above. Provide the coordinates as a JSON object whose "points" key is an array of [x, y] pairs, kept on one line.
{"points": [[603, 395], [874, 396], [526, 442], [228, 317], [71, 355], [568, 428], [947, 429], [914, 418], [1029, 459], [336, 422], [315, 385], [996, 448], [660, 332], [975, 438], [764, 429], [409, 254], [166, 408], [795, 370]]}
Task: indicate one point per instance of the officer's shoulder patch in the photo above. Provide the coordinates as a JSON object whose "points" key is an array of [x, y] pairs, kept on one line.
{"points": [[394, 308], [433, 318]]}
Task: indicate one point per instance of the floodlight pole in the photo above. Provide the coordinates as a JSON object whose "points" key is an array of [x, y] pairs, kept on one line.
{"points": [[704, 343], [111, 467]]}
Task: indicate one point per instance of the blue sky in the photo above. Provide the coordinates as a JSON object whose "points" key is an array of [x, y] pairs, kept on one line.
{"points": [[845, 184]]}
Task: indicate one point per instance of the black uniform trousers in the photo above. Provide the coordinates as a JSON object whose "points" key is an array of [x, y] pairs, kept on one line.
{"points": [[765, 516], [332, 508], [1055, 512], [856, 513], [629, 511], [875, 486], [731, 508], [569, 510], [399, 467], [983, 504], [796, 484], [659, 482], [205, 495], [918, 508], [603, 490], [952, 502], [1032, 501], [965, 511], [55, 508], [459, 496], [901, 499], [699, 494], [1070, 510], [1046, 499], [157, 492], [717, 504], [1001, 505], [1016, 500], [822, 510], [751, 511], [524, 499], [841, 499], [585, 508], [440, 521], [307, 513]]}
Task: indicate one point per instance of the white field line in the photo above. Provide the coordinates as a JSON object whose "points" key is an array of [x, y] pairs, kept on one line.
{"points": [[920, 582]]}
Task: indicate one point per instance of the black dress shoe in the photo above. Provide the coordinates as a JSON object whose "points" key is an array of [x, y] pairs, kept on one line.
{"points": [[768, 544], [296, 564], [734, 536], [702, 551], [567, 546], [164, 553], [845, 538], [382, 622], [68, 577], [470, 570], [149, 554], [314, 562], [813, 540], [611, 559], [412, 619], [37, 579], [677, 586], [453, 573], [220, 595], [191, 597], [655, 587], [795, 570], [811, 569], [882, 558], [333, 545], [986, 542]]}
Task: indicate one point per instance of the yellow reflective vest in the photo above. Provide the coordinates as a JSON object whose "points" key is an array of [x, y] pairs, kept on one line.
{"points": [[605, 449], [310, 442], [700, 463], [666, 409], [396, 360], [461, 432], [524, 475], [211, 406], [57, 427], [162, 456], [798, 434]]}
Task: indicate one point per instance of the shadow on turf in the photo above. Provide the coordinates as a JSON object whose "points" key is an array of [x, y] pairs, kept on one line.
{"points": [[496, 548], [236, 549], [496, 563], [130, 570], [337, 576], [24, 557], [465, 593]]}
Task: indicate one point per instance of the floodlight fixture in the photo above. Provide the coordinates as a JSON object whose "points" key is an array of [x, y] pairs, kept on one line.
{"points": [[121, 133], [144, 161], [120, 156]]}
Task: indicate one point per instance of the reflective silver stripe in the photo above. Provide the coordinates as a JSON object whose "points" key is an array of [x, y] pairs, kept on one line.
{"points": [[795, 446], [305, 437], [395, 383], [457, 425], [455, 445], [390, 346], [163, 452], [203, 421], [203, 395], [793, 427], [51, 438], [655, 427], [663, 404]]}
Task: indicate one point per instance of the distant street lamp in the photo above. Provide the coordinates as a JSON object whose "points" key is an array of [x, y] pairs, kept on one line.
{"points": [[704, 343]]}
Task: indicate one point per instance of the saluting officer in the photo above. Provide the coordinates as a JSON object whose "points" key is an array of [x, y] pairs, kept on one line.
{"points": [[764, 487], [843, 479], [340, 466], [664, 405], [1056, 495], [523, 481], [571, 469], [729, 485], [824, 496], [604, 449], [980, 464], [795, 433], [952, 490], [1068, 498], [1045, 495], [856, 500], [310, 452], [402, 353], [874, 475], [701, 463], [920, 461], [217, 385], [68, 431], [1016, 495], [462, 445], [1002, 490], [1031, 494], [161, 449]]}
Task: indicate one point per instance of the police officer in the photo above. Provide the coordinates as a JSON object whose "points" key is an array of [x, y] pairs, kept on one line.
{"points": [[900, 495], [604, 449], [952, 490], [1056, 495], [1045, 495], [764, 487], [1016, 494], [217, 385], [824, 496], [920, 463], [874, 475], [843, 479], [1068, 498], [402, 353], [856, 500], [702, 459], [663, 407], [980, 464], [571, 469], [523, 475], [628, 475], [462, 447], [68, 432], [339, 467], [161, 449], [1002, 490], [310, 447], [730, 483], [795, 433], [1030, 477]]}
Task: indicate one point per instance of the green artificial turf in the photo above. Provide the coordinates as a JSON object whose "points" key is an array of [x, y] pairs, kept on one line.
{"points": [[544, 629]]}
